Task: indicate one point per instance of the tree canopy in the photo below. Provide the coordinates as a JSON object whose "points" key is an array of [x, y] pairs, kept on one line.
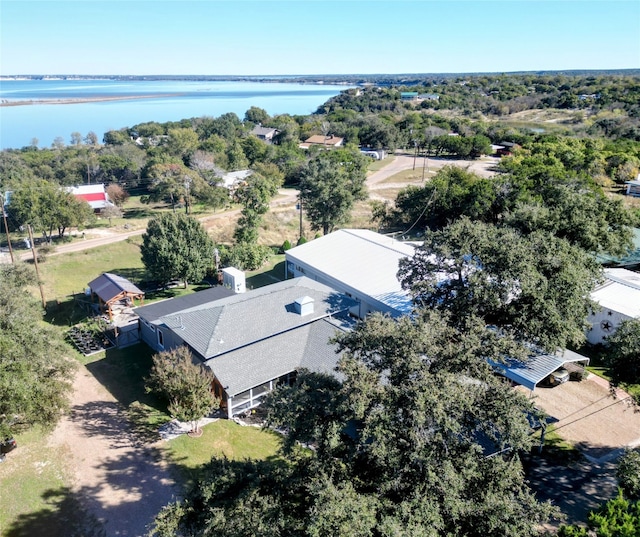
{"points": [[46, 206], [419, 439], [177, 247], [535, 286], [35, 369], [330, 184]]}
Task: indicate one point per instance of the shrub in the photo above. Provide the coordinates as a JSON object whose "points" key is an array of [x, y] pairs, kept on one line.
{"points": [[247, 256], [301, 240], [628, 474], [185, 384], [286, 245]]}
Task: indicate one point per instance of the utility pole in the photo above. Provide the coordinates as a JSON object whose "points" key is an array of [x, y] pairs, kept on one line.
{"points": [[425, 164], [35, 263], [300, 207], [6, 229]]}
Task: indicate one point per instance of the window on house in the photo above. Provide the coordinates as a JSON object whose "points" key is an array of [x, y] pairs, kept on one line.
{"points": [[160, 338]]}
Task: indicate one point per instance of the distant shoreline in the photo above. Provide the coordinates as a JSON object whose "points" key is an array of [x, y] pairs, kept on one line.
{"points": [[80, 100]]}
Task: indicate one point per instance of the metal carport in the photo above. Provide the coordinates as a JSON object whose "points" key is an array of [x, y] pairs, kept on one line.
{"points": [[539, 367]]}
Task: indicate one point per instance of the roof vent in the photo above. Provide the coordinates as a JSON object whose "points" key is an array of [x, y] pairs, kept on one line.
{"points": [[304, 305]]}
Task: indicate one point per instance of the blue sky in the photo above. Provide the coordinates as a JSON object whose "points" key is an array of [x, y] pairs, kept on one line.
{"points": [[272, 37]]}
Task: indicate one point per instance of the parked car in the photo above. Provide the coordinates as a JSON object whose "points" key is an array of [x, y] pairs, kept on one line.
{"points": [[560, 376]]}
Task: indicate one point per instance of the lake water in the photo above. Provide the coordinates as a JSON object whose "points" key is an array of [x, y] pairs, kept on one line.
{"points": [[159, 101]]}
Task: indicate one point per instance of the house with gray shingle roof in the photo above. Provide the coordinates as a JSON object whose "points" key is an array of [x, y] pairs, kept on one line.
{"points": [[255, 340], [266, 134]]}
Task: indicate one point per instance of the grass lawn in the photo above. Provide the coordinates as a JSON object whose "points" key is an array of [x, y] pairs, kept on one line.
{"points": [[272, 272], [224, 438], [409, 176], [36, 499], [69, 273]]}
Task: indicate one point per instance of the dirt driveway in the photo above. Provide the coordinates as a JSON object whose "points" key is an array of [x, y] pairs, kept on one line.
{"points": [[120, 481], [590, 419]]}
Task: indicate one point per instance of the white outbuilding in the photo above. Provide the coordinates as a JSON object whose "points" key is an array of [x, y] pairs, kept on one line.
{"points": [[359, 263], [619, 300]]}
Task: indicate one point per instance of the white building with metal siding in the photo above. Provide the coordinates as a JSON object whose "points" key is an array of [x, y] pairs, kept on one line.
{"points": [[360, 263], [619, 300]]}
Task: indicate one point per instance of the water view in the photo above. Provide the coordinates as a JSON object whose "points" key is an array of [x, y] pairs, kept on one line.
{"points": [[32, 108]]}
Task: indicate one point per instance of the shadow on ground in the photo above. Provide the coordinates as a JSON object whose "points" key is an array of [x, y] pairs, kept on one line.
{"points": [[66, 517], [570, 482], [132, 484]]}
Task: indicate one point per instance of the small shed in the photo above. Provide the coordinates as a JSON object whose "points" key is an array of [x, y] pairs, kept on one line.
{"points": [[115, 293]]}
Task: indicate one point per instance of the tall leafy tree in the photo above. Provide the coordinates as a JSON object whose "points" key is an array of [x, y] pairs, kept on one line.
{"points": [[35, 368], [176, 246], [536, 286], [254, 196], [185, 384], [330, 184], [419, 439]]}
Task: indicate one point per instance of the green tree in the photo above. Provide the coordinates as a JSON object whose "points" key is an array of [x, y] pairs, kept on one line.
{"points": [[236, 159], [254, 196], [35, 369], [167, 183], [619, 517], [628, 473], [452, 193], [185, 384], [257, 116], [176, 246], [46, 206], [404, 446], [536, 286], [623, 353], [71, 212], [182, 143], [330, 184]]}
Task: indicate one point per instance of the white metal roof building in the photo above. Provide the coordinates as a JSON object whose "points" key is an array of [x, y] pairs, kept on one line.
{"points": [[619, 300], [360, 263]]}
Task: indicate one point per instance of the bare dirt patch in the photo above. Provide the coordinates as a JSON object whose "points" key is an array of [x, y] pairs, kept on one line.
{"points": [[590, 418], [117, 478]]}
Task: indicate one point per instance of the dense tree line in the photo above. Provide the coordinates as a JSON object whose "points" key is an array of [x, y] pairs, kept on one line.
{"points": [[35, 368], [613, 100]]}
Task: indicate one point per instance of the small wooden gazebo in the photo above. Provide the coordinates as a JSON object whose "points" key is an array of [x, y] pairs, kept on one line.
{"points": [[113, 290]]}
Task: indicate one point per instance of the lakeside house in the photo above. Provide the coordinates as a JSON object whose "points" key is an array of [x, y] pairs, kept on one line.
{"points": [[266, 134], [318, 140], [252, 341]]}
